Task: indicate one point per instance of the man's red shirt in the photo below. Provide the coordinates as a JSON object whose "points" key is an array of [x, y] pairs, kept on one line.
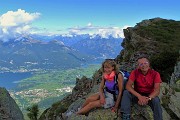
{"points": [[145, 83]]}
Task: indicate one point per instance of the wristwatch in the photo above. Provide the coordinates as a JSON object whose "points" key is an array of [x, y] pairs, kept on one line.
{"points": [[150, 98]]}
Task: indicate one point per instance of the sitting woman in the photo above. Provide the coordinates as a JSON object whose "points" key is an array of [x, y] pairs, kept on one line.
{"points": [[106, 97]]}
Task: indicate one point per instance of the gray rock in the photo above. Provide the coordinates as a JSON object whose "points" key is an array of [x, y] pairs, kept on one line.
{"points": [[9, 110], [174, 104], [139, 113]]}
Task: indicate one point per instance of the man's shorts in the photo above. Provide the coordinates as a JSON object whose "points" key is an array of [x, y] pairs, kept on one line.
{"points": [[109, 100]]}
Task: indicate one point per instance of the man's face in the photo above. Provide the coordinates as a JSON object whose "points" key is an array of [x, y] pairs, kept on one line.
{"points": [[143, 64]]}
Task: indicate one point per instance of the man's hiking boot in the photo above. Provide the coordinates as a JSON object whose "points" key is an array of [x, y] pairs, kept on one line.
{"points": [[126, 116]]}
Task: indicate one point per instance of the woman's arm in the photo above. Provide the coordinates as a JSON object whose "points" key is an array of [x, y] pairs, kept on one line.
{"points": [[101, 91], [120, 86]]}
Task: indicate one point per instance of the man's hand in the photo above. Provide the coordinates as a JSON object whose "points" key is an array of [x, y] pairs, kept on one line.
{"points": [[143, 100]]}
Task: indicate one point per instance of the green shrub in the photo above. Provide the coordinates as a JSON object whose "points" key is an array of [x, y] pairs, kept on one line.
{"points": [[164, 63]]}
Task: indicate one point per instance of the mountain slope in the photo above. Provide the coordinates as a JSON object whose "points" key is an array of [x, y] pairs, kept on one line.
{"points": [[36, 52], [33, 55], [96, 45], [99, 47]]}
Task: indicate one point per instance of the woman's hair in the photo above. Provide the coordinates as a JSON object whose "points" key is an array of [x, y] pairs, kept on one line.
{"points": [[112, 63]]}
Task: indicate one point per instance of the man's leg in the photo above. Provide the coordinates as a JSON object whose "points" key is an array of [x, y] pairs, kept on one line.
{"points": [[126, 105], [156, 108]]}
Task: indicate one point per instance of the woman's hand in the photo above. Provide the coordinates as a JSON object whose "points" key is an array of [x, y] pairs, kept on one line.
{"points": [[102, 100], [114, 109]]}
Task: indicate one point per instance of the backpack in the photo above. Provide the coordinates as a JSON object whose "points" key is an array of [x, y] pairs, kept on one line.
{"points": [[115, 90], [126, 75]]}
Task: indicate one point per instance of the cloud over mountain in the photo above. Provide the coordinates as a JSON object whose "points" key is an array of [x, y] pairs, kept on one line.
{"points": [[104, 32], [15, 23]]}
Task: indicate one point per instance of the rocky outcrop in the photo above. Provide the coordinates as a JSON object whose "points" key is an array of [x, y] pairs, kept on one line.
{"points": [[139, 112], [79, 93], [170, 100], [9, 110], [175, 77]]}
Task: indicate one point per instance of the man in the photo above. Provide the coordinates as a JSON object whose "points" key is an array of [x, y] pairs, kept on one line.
{"points": [[145, 91]]}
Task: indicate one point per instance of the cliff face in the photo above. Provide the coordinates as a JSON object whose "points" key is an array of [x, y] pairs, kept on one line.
{"points": [[157, 38], [9, 110]]}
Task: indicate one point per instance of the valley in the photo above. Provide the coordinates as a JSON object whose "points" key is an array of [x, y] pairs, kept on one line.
{"points": [[47, 88]]}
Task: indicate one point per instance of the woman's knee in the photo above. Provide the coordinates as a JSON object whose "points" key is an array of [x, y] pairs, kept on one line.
{"points": [[94, 104], [93, 97], [88, 99]]}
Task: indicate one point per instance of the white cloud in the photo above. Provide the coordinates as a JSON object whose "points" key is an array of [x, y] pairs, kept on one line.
{"points": [[89, 24], [14, 23], [104, 32]]}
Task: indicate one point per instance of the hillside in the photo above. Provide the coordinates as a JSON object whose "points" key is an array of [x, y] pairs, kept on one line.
{"points": [[33, 55], [157, 38]]}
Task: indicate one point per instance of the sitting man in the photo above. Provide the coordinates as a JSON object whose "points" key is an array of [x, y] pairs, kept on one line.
{"points": [[145, 91]]}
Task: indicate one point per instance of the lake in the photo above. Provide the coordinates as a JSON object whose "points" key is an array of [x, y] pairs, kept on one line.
{"points": [[9, 80]]}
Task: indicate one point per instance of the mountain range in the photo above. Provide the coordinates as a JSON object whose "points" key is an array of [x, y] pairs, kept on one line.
{"points": [[37, 52]]}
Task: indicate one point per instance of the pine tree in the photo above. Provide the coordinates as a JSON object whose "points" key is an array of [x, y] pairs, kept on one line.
{"points": [[33, 112]]}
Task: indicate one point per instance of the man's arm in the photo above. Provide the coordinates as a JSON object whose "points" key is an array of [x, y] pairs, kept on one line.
{"points": [[142, 100], [131, 89], [156, 91]]}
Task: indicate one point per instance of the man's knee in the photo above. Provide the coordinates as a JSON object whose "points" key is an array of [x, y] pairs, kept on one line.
{"points": [[156, 100], [126, 93]]}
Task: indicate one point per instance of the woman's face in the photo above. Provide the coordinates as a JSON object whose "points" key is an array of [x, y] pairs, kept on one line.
{"points": [[108, 68]]}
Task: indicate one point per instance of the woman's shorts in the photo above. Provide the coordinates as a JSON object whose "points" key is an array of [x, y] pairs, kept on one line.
{"points": [[109, 100]]}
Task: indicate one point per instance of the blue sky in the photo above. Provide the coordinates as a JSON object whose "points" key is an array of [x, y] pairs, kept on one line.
{"points": [[81, 16]]}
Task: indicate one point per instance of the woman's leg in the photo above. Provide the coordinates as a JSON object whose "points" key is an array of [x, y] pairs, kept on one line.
{"points": [[89, 106], [91, 98]]}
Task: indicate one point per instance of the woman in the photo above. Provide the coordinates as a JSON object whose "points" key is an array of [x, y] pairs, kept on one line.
{"points": [[104, 98]]}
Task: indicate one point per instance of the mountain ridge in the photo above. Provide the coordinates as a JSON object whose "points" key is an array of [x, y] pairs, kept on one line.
{"points": [[30, 54]]}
